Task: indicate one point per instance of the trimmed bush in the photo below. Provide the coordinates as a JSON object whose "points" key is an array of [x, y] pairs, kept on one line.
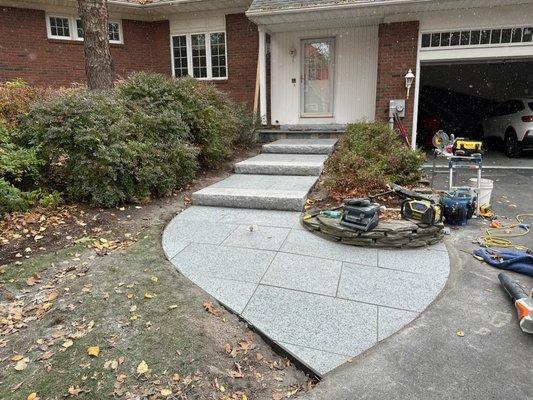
{"points": [[368, 157], [214, 121], [99, 149]]}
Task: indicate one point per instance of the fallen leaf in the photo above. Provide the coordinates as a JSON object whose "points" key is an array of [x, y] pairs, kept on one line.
{"points": [[32, 396], [236, 372], [45, 356], [166, 392], [74, 391], [227, 348], [93, 351], [17, 357], [460, 333], [148, 296], [21, 365], [142, 368], [154, 279], [173, 306], [277, 396], [211, 309], [52, 296], [67, 344]]}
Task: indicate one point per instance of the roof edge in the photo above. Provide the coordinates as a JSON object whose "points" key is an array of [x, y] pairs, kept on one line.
{"points": [[314, 8]]}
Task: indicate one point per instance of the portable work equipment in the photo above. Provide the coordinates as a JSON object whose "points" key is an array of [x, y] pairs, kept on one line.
{"points": [[522, 302]]}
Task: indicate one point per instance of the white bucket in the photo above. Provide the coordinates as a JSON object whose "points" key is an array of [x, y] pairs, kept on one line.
{"points": [[486, 190]]}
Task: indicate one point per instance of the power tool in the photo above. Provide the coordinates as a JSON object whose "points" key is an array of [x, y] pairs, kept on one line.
{"points": [[424, 211], [360, 214], [522, 302], [466, 147]]}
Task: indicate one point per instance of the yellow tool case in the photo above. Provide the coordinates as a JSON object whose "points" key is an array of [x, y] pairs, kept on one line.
{"points": [[467, 146]]}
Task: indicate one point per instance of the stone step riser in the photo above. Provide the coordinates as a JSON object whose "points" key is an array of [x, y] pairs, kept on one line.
{"points": [[301, 170], [281, 203], [270, 136]]}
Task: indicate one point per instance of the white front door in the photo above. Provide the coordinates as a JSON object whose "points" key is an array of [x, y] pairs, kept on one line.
{"points": [[318, 69]]}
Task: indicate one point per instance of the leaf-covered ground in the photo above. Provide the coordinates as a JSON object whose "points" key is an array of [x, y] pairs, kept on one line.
{"points": [[109, 317]]}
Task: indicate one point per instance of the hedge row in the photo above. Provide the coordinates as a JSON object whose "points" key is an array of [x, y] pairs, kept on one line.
{"points": [[142, 139]]}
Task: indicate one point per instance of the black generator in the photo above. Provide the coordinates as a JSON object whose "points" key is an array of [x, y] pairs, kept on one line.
{"points": [[360, 214]]}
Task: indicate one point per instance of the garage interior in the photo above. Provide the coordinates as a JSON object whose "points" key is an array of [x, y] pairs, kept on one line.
{"points": [[455, 96]]}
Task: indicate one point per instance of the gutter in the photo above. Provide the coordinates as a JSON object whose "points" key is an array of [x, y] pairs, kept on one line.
{"points": [[334, 7], [150, 5]]}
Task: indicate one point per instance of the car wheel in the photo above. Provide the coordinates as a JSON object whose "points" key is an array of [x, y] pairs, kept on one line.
{"points": [[512, 149]]}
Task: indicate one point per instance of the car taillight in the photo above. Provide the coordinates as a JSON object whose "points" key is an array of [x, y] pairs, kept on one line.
{"points": [[527, 118]]}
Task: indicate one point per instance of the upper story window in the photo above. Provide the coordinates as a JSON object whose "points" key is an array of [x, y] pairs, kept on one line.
{"points": [[200, 55], [478, 37], [71, 28]]}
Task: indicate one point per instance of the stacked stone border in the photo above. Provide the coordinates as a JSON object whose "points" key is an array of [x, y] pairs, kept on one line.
{"points": [[389, 234]]}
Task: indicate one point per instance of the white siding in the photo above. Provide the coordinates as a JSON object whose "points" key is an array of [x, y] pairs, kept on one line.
{"points": [[197, 23], [355, 75]]}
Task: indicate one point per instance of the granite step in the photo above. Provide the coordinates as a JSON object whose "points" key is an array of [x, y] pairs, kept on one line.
{"points": [[300, 146], [282, 164], [271, 192]]}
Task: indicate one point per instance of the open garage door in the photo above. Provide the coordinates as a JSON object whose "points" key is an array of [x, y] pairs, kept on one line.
{"points": [[458, 96]]}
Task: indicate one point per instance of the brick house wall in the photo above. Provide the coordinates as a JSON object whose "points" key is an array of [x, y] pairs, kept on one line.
{"points": [[242, 39], [26, 52], [398, 47]]}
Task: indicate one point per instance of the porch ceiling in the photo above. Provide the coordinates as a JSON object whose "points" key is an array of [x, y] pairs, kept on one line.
{"points": [[322, 14]]}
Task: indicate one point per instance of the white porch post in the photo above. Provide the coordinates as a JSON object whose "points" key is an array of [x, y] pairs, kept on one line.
{"points": [[262, 76]]}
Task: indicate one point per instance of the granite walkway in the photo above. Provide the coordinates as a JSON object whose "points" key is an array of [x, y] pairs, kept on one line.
{"points": [[322, 302]]}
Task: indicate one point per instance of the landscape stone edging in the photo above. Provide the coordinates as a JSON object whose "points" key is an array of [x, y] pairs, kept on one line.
{"points": [[391, 234]]}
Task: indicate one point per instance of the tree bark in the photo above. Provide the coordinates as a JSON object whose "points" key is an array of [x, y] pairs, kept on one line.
{"points": [[98, 62]]}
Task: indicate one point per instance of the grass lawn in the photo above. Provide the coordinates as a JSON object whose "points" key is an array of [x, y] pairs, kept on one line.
{"points": [[151, 332]]}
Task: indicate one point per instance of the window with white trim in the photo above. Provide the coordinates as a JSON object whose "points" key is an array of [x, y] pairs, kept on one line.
{"points": [[114, 31], [200, 55], [59, 27], [478, 37], [71, 28]]}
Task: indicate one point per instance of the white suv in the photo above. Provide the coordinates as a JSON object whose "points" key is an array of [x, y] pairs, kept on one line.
{"points": [[512, 123]]}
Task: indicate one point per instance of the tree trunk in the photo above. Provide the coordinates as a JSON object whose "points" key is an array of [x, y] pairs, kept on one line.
{"points": [[98, 62]]}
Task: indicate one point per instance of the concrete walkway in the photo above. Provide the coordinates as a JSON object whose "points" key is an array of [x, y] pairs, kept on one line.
{"points": [[322, 302]]}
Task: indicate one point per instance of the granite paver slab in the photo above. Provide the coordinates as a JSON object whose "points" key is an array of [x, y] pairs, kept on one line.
{"points": [[300, 146], [391, 320], [200, 232], [233, 294], [396, 289], [311, 320], [309, 274], [420, 261], [282, 164], [245, 265], [306, 243], [322, 361], [257, 237]]}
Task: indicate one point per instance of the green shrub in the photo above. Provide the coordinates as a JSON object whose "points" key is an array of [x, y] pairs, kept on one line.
{"points": [[17, 163], [99, 149], [213, 120], [368, 157], [13, 199]]}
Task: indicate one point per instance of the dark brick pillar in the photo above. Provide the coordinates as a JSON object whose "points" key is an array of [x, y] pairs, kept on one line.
{"points": [[398, 47]]}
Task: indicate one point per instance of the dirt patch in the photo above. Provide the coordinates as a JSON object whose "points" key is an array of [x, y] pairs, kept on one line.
{"points": [[27, 235], [151, 332], [321, 198]]}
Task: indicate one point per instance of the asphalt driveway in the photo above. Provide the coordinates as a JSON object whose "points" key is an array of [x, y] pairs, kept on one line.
{"points": [[428, 360]]}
